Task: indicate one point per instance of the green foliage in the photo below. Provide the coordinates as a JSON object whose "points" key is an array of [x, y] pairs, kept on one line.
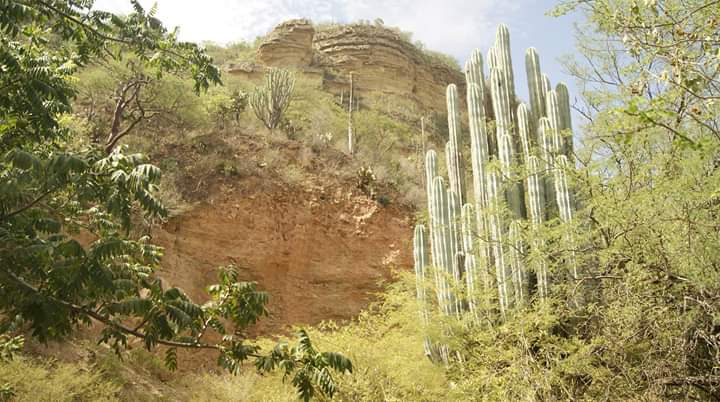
{"points": [[236, 52], [53, 190], [306, 365], [224, 105], [9, 346]]}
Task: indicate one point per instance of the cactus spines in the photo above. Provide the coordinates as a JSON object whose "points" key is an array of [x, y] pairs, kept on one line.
{"points": [[504, 61], [536, 84], [455, 161]]}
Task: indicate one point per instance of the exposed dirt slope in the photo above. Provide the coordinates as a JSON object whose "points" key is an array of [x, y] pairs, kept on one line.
{"points": [[319, 251]]}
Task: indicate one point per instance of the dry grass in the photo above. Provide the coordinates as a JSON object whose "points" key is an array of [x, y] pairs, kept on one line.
{"points": [[35, 381]]}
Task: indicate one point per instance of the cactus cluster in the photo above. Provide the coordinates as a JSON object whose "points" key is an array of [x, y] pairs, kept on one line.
{"points": [[519, 155]]}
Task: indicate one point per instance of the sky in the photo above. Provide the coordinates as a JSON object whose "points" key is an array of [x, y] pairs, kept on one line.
{"points": [[455, 27]]}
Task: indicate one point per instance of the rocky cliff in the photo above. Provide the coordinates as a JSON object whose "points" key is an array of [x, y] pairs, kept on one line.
{"points": [[379, 58], [290, 44]]}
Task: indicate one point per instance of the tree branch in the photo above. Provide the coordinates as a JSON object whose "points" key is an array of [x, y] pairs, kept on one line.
{"points": [[109, 322]]}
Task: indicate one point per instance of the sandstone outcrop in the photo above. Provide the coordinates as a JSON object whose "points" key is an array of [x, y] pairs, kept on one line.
{"points": [[383, 61], [380, 59], [288, 45]]}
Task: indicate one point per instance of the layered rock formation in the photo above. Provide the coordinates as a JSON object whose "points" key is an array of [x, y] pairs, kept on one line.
{"points": [[288, 45], [382, 61], [379, 58]]}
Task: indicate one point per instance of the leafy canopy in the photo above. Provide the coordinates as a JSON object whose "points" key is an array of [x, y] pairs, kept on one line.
{"points": [[54, 192]]}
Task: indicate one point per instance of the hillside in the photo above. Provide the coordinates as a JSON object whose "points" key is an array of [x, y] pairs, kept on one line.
{"points": [[332, 213], [382, 61], [318, 246], [284, 208]]}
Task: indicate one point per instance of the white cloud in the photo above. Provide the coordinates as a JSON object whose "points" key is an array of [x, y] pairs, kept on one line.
{"points": [[450, 26]]}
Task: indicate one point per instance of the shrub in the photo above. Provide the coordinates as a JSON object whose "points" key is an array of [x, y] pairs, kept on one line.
{"points": [[271, 101]]}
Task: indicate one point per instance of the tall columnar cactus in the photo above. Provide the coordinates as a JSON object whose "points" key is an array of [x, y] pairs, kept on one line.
{"points": [[456, 170], [502, 102], [431, 172], [479, 152], [516, 251], [492, 58], [472, 273], [534, 184], [442, 246], [547, 87], [495, 223], [474, 69], [421, 256], [519, 172], [564, 204], [536, 85], [558, 108], [480, 156], [525, 132], [456, 267], [504, 60], [506, 145], [536, 207], [561, 187], [563, 98], [548, 150]]}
